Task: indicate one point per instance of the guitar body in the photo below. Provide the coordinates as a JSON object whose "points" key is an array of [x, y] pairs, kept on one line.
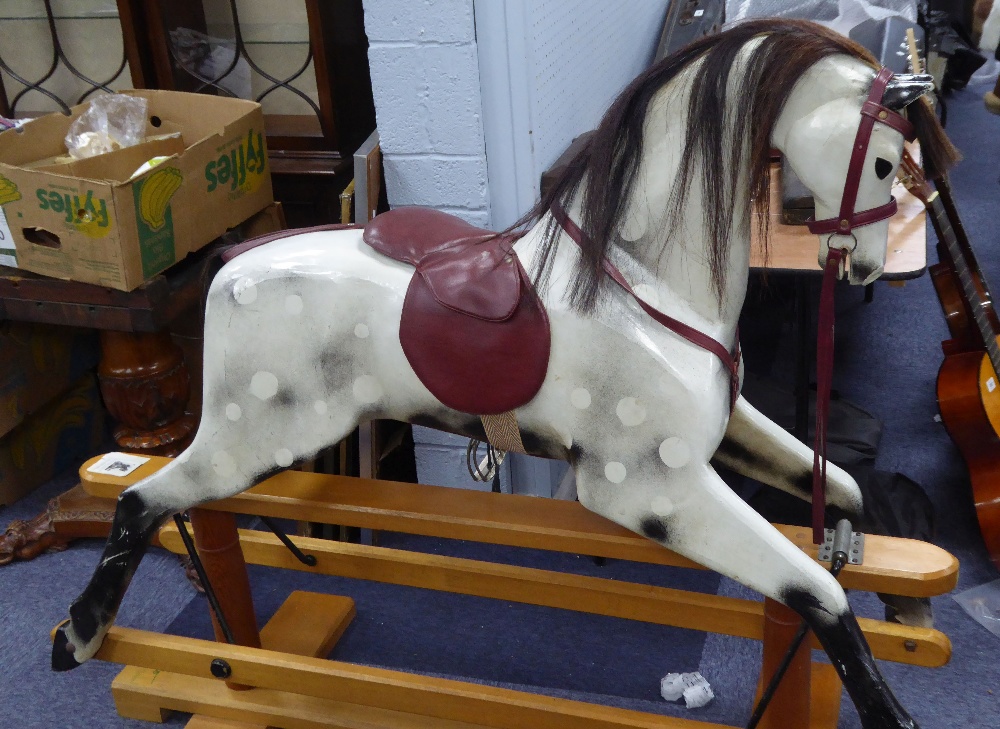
{"points": [[968, 386], [969, 398]]}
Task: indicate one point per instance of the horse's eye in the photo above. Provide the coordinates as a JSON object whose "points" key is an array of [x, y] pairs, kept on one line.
{"points": [[882, 167]]}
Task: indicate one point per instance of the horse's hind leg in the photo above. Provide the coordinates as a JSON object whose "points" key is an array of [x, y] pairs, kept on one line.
{"points": [[215, 466], [689, 509], [759, 448], [140, 511]]}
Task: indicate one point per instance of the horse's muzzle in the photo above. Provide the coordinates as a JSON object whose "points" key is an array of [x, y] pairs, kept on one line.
{"points": [[860, 273]]}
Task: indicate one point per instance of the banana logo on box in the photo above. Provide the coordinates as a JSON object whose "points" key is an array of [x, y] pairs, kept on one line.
{"points": [[157, 189], [8, 191]]}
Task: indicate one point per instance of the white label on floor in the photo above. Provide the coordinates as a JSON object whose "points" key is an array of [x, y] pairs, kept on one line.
{"points": [[8, 256], [117, 464], [991, 384]]}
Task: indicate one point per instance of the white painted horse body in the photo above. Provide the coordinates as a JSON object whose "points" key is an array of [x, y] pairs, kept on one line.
{"points": [[302, 344]]}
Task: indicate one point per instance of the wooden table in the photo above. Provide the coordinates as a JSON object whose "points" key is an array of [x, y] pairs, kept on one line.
{"points": [[149, 373], [794, 251]]}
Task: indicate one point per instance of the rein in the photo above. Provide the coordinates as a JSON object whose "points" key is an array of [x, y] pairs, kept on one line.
{"points": [[730, 360], [824, 380], [871, 111]]}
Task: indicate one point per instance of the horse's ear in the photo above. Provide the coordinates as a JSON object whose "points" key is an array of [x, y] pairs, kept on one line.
{"points": [[904, 88]]}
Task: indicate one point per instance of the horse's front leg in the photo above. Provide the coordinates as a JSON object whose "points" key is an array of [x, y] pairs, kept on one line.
{"points": [[683, 504], [757, 447]]}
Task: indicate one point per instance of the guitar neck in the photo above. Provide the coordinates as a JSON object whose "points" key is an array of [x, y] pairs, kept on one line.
{"points": [[963, 262]]}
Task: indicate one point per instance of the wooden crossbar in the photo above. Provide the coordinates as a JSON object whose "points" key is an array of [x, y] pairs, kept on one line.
{"points": [[595, 595], [896, 566]]}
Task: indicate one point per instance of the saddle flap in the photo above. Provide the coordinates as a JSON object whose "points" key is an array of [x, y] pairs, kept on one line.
{"points": [[481, 281]]}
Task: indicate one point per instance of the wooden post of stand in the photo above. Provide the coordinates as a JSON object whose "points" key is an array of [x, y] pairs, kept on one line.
{"points": [[218, 543], [790, 706]]}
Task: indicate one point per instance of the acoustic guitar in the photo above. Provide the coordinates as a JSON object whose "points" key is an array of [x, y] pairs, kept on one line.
{"points": [[968, 385]]}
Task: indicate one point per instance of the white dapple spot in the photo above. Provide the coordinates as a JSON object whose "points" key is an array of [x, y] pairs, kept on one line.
{"points": [[245, 291], [283, 457], [367, 389], [293, 304], [264, 385], [233, 411], [675, 452], [580, 398], [662, 506], [320, 407], [630, 411], [223, 463], [615, 472], [361, 331]]}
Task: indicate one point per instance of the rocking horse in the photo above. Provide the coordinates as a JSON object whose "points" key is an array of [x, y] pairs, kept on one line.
{"points": [[603, 334]]}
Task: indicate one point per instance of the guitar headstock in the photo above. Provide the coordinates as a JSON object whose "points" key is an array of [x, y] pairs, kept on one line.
{"points": [[912, 176]]}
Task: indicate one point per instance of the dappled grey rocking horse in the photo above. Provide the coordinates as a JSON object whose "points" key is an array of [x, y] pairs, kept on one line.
{"points": [[615, 350]]}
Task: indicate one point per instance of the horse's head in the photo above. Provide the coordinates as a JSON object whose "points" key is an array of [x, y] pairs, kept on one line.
{"points": [[843, 136]]}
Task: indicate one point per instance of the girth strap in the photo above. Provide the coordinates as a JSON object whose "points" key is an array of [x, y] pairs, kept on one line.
{"points": [[503, 432], [730, 360]]}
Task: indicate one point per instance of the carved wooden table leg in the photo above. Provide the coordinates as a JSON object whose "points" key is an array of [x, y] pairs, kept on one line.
{"points": [[72, 515], [146, 388]]}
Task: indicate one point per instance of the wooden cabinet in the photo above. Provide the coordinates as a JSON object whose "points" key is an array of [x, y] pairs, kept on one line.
{"points": [[305, 61]]}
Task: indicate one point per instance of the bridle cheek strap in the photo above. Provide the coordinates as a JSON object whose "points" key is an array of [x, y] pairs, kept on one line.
{"points": [[871, 111]]}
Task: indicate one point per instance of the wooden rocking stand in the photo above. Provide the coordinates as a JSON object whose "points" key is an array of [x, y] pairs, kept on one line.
{"points": [[293, 684]]}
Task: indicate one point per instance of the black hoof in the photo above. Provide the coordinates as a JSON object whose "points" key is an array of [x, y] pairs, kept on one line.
{"points": [[62, 651]]}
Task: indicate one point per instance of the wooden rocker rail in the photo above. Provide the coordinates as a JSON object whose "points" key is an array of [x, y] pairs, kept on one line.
{"points": [[595, 595], [898, 566], [292, 685]]}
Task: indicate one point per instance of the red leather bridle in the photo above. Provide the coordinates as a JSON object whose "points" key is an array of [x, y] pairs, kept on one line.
{"points": [[871, 111]]}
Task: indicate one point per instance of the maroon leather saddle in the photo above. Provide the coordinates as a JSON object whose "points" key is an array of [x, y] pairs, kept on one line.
{"points": [[472, 328]]}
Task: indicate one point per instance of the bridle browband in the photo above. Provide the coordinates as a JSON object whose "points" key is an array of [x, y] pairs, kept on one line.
{"points": [[871, 111]]}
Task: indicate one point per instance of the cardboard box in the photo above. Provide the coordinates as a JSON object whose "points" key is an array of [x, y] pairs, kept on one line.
{"points": [[37, 363], [91, 221], [63, 434]]}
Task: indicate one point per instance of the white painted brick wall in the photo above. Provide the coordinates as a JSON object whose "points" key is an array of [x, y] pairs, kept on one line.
{"points": [[425, 78], [574, 57]]}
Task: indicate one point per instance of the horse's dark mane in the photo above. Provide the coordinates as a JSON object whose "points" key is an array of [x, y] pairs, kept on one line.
{"points": [[609, 163]]}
